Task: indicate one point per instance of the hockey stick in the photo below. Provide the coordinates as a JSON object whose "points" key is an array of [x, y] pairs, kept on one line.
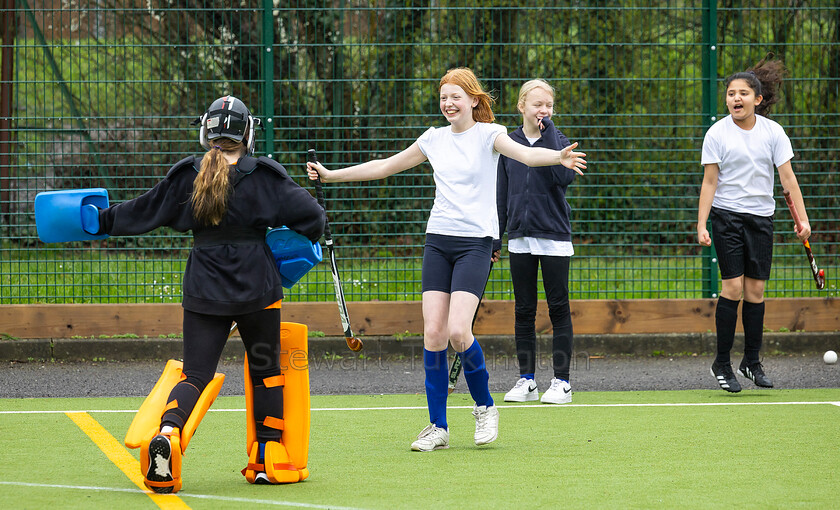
{"points": [[455, 369], [819, 274], [352, 342]]}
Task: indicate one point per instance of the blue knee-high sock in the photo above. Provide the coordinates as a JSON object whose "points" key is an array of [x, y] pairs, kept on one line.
{"points": [[475, 372], [436, 366]]}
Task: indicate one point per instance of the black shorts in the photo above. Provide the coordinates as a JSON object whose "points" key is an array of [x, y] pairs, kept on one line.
{"points": [[454, 263], [744, 244]]}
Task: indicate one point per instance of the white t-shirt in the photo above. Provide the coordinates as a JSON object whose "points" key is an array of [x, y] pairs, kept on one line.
{"points": [[746, 160], [464, 167]]}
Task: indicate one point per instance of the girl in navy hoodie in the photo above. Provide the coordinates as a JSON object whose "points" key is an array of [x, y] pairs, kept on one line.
{"points": [[532, 208]]}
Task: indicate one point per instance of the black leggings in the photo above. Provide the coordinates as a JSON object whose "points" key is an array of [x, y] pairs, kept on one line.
{"points": [[204, 339], [555, 271]]}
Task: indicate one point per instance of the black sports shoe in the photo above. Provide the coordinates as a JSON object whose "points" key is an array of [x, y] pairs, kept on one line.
{"points": [[755, 373], [160, 454], [722, 372]]}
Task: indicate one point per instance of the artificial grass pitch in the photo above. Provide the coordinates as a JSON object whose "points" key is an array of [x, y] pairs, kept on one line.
{"points": [[703, 448]]}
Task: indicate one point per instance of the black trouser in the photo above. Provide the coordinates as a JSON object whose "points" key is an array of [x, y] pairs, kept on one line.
{"points": [[555, 272], [204, 338]]}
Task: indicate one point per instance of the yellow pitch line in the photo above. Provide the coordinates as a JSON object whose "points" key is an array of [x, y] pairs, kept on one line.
{"points": [[117, 454]]}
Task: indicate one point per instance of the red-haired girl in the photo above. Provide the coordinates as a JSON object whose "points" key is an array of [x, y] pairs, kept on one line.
{"points": [[459, 235]]}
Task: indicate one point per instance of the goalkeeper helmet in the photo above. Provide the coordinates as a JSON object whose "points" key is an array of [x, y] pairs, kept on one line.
{"points": [[227, 117]]}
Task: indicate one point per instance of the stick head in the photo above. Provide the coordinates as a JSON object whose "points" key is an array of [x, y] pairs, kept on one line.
{"points": [[821, 279], [354, 344]]}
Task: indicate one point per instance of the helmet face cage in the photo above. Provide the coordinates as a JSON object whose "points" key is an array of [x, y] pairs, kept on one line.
{"points": [[227, 117]]}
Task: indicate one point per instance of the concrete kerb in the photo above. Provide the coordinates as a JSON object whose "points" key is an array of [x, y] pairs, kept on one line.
{"points": [[494, 346]]}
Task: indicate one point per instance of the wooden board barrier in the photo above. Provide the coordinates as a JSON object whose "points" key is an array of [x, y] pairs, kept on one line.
{"points": [[387, 318]]}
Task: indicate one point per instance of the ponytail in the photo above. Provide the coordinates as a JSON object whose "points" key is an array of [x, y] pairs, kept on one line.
{"points": [[770, 73], [211, 187], [764, 78]]}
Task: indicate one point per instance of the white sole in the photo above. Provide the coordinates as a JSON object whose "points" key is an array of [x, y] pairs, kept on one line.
{"points": [[442, 447], [527, 398], [556, 403], [561, 401], [488, 441]]}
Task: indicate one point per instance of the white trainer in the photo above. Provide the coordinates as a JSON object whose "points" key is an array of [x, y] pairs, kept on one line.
{"points": [[560, 392], [486, 424], [431, 438], [524, 391]]}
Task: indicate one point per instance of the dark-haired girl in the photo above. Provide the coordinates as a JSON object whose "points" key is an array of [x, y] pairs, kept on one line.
{"points": [[739, 153]]}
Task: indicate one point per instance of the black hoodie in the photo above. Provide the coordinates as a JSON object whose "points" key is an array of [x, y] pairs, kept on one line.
{"points": [[532, 201], [230, 269]]}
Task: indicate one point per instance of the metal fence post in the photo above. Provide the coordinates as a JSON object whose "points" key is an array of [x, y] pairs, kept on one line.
{"points": [[710, 280], [268, 75]]}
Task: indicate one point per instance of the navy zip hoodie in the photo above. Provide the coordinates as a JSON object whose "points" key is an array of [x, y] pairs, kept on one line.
{"points": [[531, 202]]}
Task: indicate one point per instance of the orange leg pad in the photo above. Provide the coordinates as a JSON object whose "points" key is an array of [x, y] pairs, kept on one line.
{"points": [[294, 363], [146, 423], [277, 466], [294, 355], [205, 400]]}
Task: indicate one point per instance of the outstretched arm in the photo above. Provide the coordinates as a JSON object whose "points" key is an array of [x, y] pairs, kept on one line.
{"points": [[372, 170], [540, 156]]}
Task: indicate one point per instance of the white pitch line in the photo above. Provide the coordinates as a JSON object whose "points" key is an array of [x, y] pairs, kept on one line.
{"points": [[182, 495], [512, 406]]}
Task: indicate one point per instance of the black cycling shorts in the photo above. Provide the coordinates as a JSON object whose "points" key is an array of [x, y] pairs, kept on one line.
{"points": [[454, 263]]}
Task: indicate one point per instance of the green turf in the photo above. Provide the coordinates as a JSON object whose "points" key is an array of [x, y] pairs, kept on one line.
{"points": [[603, 451]]}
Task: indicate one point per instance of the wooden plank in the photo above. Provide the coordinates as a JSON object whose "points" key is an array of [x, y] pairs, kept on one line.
{"points": [[388, 318], [663, 316]]}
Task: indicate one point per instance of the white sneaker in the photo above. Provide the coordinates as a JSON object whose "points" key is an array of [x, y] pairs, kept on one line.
{"points": [[486, 424], [524, 391], [560, 392], [431, 438]]}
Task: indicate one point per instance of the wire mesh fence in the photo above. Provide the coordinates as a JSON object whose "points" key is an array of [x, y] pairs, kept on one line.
{"points": [[101, 93]]}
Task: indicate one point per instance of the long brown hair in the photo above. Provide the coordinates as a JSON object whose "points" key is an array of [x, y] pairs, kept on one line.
{"points": [[465, 78], [211, 187]]}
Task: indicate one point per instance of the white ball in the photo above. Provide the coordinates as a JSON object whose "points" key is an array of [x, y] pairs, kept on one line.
{"points": [[830, 357]]}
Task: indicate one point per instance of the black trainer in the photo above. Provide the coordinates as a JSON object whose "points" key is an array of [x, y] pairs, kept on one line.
{"points": [[160, 454], [722, 372], [755, 373]]}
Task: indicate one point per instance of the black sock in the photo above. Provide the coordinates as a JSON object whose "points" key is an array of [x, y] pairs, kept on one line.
{"points": [[752, 317], [184, 395], [726, 318]]}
